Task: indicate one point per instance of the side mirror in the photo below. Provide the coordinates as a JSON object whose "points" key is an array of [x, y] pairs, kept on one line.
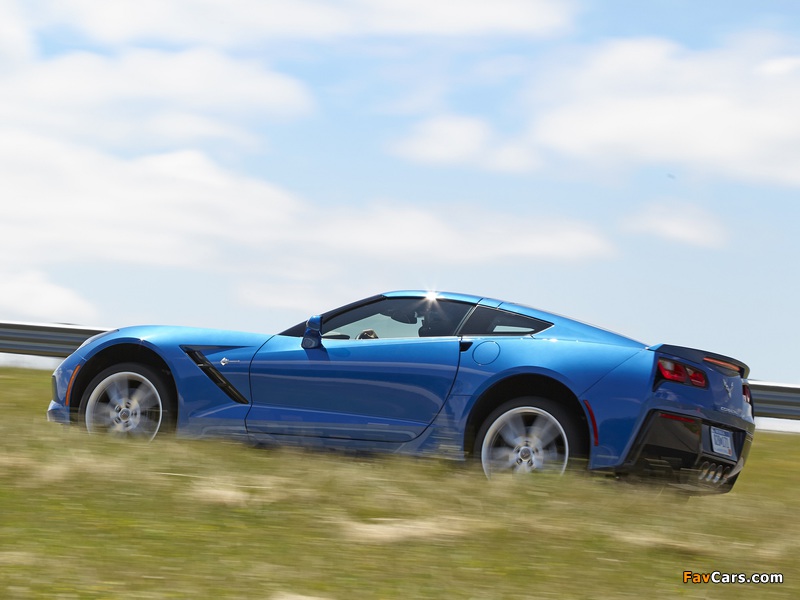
{"points": [[312, 337]]}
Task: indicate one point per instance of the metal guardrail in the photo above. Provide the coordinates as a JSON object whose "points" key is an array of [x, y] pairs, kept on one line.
{"points": [[34, 339], [775, 400]]}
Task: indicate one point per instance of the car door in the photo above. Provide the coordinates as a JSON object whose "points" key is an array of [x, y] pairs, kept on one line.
{"points": [[382, 374]]}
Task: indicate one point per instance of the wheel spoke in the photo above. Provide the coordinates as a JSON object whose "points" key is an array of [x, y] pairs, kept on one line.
{"points": [[543, 431], [140, 432], [503, 457], [554, 458], [116, 392], [513, 430], [145, 397], [117, 428], [149, 419], [102, 416]]}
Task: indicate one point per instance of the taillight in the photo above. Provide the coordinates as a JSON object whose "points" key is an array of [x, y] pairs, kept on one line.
{"points": [[729, 366], [698, 378], [747, 396], [672, 370], [680, 418]]}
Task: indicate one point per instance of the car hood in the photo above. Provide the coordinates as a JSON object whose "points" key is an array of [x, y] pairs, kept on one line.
{"points": [[162, 336]]}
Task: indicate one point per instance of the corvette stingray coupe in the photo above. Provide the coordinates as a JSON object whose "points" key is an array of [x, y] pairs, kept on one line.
{"points": [[517, 389]]}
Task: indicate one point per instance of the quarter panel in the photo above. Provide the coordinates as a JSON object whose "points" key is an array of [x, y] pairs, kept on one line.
{"points": [[577, 365], [618, 402], [623, 400]]}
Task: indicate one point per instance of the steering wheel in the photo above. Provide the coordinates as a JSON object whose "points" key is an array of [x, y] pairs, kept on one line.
{"points": [[367, 334]]}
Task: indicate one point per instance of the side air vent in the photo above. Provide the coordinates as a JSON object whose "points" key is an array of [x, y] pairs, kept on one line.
{"points": [[214, 375]]}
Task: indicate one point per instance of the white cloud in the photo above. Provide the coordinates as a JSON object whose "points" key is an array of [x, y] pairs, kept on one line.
{"points": [[16, 39], [780, 66], [301, 298], [462, 17], [460, 140], [63, 202], [239, 22], [341, 255], [147, 97], [445, 139], [513, 156], [729, 111], [679, 222], [30, 295], [291, 295], [437, 235]]}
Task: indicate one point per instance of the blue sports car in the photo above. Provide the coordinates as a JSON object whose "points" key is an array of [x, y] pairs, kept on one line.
{"points": [[518, 389]]}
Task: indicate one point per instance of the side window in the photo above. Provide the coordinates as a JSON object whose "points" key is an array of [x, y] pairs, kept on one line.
{"points": [[492, 321], [396, 318]]}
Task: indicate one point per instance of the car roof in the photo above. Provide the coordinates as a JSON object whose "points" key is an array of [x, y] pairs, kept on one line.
{"points": [[567, 327], [436, 294]]}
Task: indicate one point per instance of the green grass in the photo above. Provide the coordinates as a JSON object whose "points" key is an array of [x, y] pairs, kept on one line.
{"points": [[86, 517]]}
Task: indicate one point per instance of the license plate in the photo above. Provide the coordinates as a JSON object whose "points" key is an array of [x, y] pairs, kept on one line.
{"points": [[722, 441]]}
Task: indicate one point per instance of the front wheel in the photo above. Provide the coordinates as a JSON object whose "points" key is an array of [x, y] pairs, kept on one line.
{"points": [[127, 400], [529, 435]]}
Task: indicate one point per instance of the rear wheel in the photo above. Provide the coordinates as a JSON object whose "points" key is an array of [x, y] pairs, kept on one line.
{"points": [[128, 400], [527, 435]]}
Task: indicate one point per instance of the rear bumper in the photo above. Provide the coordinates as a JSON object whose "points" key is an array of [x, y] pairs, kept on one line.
{"points": [[678, 450]]}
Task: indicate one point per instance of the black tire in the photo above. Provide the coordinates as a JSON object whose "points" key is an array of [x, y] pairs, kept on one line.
{"points": [[128, 400], [530, 434]]}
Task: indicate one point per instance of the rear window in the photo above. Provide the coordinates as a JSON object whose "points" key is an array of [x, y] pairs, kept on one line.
{"points": [[492, 321]]}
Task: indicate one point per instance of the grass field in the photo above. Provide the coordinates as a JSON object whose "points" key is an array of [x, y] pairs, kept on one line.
{"points": [[82, 517]]}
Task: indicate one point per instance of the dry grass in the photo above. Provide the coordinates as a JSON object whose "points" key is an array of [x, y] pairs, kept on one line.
{"points": [[84, 517]]}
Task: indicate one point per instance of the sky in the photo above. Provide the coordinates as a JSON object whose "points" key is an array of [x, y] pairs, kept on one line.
{"points": [[245, 164]]}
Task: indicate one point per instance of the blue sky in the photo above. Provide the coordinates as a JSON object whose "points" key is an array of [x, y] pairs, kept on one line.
{"points": [[245, 164]]}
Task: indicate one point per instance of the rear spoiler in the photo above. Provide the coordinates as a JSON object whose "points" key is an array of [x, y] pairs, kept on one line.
{"points": [[701, 356]]}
